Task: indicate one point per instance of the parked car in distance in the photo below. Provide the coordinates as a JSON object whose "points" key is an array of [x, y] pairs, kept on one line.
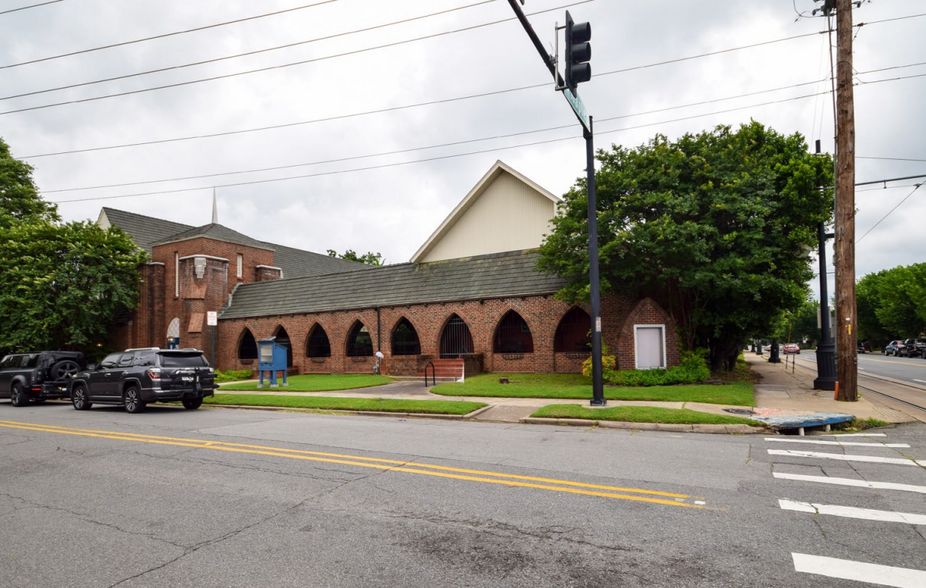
{"points": [[792, 348], [891, 348], [861, 347], [137, 377], [913, 347], [38, 376]]}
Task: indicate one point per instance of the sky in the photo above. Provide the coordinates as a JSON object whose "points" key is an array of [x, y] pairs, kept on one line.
{"points": [[387, 112]]}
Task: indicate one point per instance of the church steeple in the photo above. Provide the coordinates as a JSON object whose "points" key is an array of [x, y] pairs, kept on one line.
{"points": [[215, 209]]}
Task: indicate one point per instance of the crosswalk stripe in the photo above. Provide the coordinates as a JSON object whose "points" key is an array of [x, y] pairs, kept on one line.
{"points": [[840, 457], [851, 512], [840, 443], [846, 569], [851, 482]]}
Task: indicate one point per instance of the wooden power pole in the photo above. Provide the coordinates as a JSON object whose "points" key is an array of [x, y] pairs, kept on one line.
{"points": [[846, 329]]}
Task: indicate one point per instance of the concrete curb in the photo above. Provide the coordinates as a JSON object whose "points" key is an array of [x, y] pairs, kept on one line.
{"points": [[675, 428], [414, 415]]}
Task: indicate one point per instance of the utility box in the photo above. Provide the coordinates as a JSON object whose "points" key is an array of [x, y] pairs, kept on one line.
{"points": [[271, 358]]}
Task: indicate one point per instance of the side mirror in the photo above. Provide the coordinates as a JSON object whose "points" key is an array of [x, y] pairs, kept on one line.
{"points": [[91, 366]]}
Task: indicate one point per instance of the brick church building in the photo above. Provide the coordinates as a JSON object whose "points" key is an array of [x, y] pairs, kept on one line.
{"points": [[470, 297]]}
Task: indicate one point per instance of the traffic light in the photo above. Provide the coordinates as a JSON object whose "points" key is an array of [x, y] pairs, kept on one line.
{"points": [[578, 53]]}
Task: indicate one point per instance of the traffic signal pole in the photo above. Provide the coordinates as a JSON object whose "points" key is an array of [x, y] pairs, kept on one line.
{"points": [[587, 127]]}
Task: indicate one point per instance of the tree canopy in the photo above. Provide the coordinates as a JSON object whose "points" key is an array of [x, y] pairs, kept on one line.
{"points": [[890, 303], [61, 285], [715, 226], [368, 258]]}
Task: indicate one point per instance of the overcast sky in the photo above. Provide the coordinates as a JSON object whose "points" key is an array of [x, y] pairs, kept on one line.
{"points": [[395, 206]]}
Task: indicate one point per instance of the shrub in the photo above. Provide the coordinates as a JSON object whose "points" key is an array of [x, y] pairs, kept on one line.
{"points": [[692, 370], [608, 363]]}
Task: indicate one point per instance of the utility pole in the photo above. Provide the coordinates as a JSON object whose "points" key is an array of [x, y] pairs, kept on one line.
{"points": [[846, 329]]}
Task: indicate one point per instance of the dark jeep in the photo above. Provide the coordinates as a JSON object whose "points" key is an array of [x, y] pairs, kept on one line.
{"points": [[138, 377], [38, 376]]}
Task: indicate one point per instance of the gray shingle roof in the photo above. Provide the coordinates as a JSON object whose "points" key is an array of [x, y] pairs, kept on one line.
{"points": [[148, 231], [487, 276], [144, 231]]}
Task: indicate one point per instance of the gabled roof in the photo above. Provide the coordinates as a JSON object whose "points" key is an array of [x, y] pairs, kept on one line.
{"points": [[498, 275], [474, 194], [146, 231], [217, 232]]}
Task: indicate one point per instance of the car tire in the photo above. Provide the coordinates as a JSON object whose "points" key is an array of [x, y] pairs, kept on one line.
{"points": [[65, 368], [132, 401], [79, 398], [17, 396], [192, 403]]}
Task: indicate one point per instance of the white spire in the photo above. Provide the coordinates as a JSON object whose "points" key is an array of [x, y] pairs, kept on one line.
{"points": [[215, 209]]}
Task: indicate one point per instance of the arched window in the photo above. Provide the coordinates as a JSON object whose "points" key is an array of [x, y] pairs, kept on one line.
{"points": [[573, 334], [512, 335], [282, 337], [405, 339], [173, 334], [359, 342], [455, 339], [317, 344], [247, 347]]}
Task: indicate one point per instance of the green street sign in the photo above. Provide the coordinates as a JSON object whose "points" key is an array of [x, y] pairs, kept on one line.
{"points": [[578, 107]]}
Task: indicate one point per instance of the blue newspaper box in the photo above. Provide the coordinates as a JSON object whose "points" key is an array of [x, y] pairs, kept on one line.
{"points": [[272, 359]]}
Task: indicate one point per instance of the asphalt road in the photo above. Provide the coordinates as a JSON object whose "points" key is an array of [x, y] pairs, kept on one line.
{"points": [[910, 370], [221, 497]]}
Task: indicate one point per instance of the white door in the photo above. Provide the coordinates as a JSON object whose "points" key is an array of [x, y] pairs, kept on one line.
{"points": [[650, 345]]}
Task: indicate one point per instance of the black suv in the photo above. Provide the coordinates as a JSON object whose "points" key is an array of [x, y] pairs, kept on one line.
{"points": [[38, 376], [913, 347], [138, 377]]}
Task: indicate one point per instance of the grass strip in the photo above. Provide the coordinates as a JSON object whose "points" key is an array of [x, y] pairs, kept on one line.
{"points": [[328, 403], [576, 386], [640, 414], [316, 383]]}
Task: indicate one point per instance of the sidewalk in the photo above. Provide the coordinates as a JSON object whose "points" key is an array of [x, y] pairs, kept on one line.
{"points": [[782, 389]]}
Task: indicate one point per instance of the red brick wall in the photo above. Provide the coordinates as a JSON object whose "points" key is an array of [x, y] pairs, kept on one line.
{"points": [[541, 313], [646, 312]]}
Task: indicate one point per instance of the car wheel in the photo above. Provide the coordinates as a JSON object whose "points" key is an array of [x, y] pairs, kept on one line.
{"points": [[17, 396], [79, 398], [192, 403], [132, 400], [63, 369]]}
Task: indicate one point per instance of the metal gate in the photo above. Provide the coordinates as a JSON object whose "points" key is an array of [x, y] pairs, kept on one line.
{"points": [[455, 340]]}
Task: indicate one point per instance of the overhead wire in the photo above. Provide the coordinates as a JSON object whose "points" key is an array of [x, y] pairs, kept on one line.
{"points": [[30, 6], [889, 213]]}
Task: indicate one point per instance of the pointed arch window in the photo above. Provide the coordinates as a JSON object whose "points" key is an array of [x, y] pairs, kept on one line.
{"points": [[512, 335], [573, 334], [317, 345], [247, 346], [455, 338], [359, 342], [282, 337], [405, 339]]}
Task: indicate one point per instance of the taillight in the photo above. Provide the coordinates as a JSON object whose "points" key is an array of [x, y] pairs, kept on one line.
{"points": [[154, 373]]}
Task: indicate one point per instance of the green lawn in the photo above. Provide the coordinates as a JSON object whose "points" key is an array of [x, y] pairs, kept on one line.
{"points": [[328, 403], [316, 383], [639, 414], [738, 393]]}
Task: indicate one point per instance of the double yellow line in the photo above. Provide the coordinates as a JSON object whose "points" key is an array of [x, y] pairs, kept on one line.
{"points": [[635, 494]]}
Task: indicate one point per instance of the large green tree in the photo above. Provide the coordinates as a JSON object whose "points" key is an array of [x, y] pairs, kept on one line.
{"points": [[61, 285], [19, 198], [716, 226], [891, 303], [368, 258]]}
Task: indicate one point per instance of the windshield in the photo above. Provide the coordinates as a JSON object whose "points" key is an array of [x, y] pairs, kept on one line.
{"points": [[169, 360]]}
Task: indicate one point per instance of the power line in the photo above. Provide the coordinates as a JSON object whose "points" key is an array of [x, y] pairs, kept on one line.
{"points": [[890, 158], [889, 212], [284, 65], [163, 36], [30, 6], [246, 54]]}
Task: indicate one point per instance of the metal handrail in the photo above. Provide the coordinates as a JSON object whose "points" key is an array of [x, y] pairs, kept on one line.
{"points": [[433, 373]]}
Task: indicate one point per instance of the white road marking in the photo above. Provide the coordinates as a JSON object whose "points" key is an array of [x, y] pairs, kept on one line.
{"points": [[847, 569], [850, 512], [920, 381], [851, 482], [849, 443], [856, 435], [840, 457]]}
